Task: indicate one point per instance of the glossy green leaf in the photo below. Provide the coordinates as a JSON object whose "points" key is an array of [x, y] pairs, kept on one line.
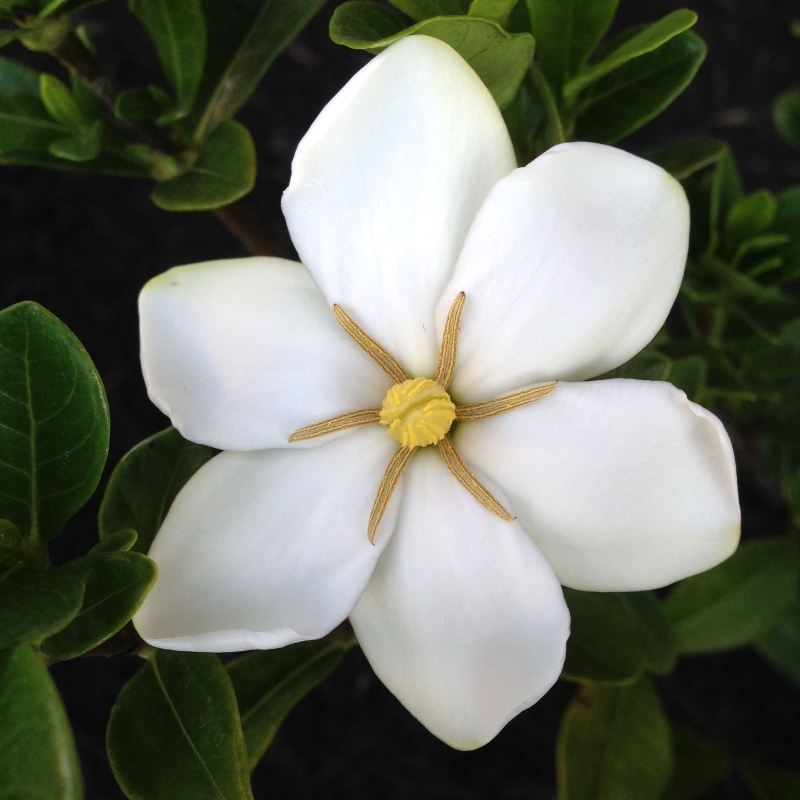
{"points": [[53, 422], [780, 647], [750, 215], [626, 99], [142, 105], [116, 584], [359, 24], [178, 30], [269, 683], [786, 114], [244, 38], [37, 757], [35, 603], [25, 124], [104, 164], [224, 172], [770, 783], [59, 102], [419, 10], [145, 482], [495, 10], [567, 32], [614, 744], [646, 40], [85, 145], [684, 158], [11, 544], [654, 632], [691, 375], [121, 541], [175, 728], [500, 59], [603, 646], [698, 765], [739, 601], [726, 189], [649, 365], [17, 79]]}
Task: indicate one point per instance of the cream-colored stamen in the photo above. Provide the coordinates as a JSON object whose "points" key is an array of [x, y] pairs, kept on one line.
{"points": [[447, 355], [386, 361], [491, 408], [469, 481], [388, 483], [350, 420], [417, 412]]}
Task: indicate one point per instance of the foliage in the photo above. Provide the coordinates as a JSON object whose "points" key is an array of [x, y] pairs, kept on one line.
{"points": [[732, 344]]}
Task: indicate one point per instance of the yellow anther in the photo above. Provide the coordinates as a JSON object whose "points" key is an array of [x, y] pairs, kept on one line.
{"points": [[418, 412]]}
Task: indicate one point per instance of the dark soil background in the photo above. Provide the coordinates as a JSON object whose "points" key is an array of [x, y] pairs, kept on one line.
{"points": [[84, 246]]}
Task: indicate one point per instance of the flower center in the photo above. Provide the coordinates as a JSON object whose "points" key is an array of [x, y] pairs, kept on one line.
{"points": [[417, 412]]}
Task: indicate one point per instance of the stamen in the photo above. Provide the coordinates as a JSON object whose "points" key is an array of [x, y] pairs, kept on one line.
{"points": [[350, 420], [388, 483], [491, 408], [387, 362], [469, 481], [447, 355]]}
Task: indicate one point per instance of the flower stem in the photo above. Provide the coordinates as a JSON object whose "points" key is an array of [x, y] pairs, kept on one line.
{"points": [[245, 229], [554, 123]]}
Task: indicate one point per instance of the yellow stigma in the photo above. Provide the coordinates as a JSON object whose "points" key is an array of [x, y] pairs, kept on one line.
{"points": [[418, 412]]}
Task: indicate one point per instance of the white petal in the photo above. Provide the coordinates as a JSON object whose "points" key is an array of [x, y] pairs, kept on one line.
{"points": [[241, 353], [463, 620], [385, 185], [263, 549], [570, 268], [625, 485]]}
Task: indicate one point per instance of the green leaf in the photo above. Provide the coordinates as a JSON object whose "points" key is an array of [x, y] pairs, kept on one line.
{"points": [[25, 124], [786, 114], [494, 10], [698, 764], [244, 39], [787, 216], [116, 584], [614, 744], [53, 422], [59, 102], [145, 482], [684, 158], [37, 759], [142, 105], [500, 59], [654, 630], [66, 7], [737, 602], [726, 189], [176, 724], [770, 783], [750, 216], [224, 172], [269, 683], [603, 646], [122, 540], [17, 79], [35, 603], [567, 32], [646, 40], [638, 91], [178, 30], [8, 36], [104, 164], [84, 146], [419, 10], [691, 375], [649, 365], [780, 647], [359, 24]]}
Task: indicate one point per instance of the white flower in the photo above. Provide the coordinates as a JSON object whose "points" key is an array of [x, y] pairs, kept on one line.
{"points": [[404, 195]]}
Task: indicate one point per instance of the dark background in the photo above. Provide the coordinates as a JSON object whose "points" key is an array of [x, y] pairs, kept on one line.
{"points": [[84, 246]]}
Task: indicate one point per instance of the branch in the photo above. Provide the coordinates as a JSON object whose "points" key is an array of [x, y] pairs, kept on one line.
{"points": [[245, 229]]}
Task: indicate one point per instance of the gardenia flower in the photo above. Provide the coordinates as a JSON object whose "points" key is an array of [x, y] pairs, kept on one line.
{"points": [[407, 440]]}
